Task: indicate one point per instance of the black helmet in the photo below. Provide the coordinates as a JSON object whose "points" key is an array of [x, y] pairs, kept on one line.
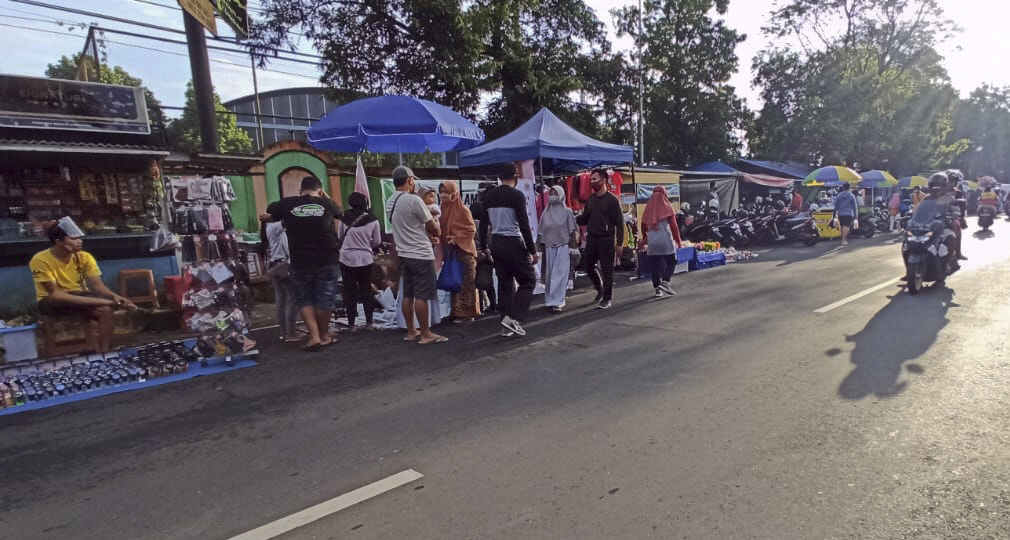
{"points": [[938, 180], [955, 176], [780, 205]]}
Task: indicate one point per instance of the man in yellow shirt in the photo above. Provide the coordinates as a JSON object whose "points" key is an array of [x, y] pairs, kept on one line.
{"points": [[68, 280]]}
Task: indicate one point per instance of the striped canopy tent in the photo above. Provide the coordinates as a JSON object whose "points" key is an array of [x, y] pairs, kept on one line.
{"points": [[877, 179], [914, 182], [834, 175]]}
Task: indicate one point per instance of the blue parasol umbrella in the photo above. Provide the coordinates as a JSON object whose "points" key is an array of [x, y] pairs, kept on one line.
{"points": [[877, 179], [394, 124]]}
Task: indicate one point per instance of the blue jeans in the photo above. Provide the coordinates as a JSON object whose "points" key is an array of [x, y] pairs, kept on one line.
{"points": [[316, 287]]}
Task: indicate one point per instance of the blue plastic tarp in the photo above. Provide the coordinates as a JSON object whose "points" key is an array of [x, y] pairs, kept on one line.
{"points": [[393, 124], [546, 137], [791, 169], [713, 167]]}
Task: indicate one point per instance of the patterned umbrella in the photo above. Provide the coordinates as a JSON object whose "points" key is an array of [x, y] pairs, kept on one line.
{"points": [[877, 179], [987, 181], [832, 176], [914, 181]]}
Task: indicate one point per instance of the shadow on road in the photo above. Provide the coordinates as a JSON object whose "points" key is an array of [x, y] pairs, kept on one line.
{"points": [[983, 235], [900, 332]]}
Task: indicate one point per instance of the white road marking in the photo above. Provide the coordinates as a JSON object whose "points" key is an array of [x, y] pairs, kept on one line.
{"points": [[313, 513], [856, 296]]}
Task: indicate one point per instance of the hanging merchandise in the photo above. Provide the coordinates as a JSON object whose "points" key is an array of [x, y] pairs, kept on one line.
{"points": [[216, 301]]}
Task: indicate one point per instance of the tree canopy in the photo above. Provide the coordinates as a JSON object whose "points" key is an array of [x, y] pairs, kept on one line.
{"points": [[184, 132], [692, 114], [865, 87], [513, 56]]}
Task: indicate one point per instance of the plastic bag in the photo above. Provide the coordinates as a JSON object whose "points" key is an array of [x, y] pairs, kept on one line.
{"points": [[451, 277]]}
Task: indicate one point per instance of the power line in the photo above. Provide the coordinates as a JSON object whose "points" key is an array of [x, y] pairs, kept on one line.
{"points": [[215, 60], [154, 26]]}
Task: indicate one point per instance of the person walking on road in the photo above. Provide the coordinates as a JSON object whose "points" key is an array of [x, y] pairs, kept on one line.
{"points": [[846, 209], [309, 219], [512, 249], [458, 232], [274, 243], [413, 231], [604, 224], [557, 235], [360, 232], [661, 237]]}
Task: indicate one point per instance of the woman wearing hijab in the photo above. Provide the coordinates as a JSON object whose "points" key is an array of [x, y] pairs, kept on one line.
{"points": [[661, 236], [458, 233], [359, 231], [557, 234]]}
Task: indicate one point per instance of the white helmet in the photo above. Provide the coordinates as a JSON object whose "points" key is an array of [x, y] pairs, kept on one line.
{"points": [[758, 200], [814, 207], [685, 206]]}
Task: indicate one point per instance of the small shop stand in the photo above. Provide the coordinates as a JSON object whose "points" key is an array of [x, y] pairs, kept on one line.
{"points": [[215, 277], [37, 384]]}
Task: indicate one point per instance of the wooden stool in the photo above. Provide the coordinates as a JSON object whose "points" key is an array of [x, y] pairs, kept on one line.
{"points": [[126, 275], [52, 347]]}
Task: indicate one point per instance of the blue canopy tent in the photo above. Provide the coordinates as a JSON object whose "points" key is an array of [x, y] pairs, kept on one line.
{"points": [[394, 124], [557, 145]]}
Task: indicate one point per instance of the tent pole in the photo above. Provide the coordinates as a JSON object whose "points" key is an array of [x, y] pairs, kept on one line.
{"points": [[634, 188]]}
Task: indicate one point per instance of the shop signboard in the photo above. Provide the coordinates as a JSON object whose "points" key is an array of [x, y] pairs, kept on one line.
{"points": [[645, 191], [235, 14], [40, 103], [202, 11]]}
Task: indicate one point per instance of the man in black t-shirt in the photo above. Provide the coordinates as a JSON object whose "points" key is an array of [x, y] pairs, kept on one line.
{"points": [[310, 220]]}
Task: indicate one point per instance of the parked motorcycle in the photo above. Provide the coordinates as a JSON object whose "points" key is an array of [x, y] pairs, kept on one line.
{"points": [[926, 249], [867, 225]]}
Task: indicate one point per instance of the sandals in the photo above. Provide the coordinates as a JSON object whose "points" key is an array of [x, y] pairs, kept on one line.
{"points": [[319, 346], [439, 339]]}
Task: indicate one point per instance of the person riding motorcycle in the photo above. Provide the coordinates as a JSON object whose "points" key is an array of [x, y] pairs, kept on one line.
{"points": [[947, 213], [989, 198], [959, 207]]}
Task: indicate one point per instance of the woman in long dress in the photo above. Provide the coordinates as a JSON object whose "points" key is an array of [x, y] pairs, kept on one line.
{"points": [[557, 234], [458, 233]]}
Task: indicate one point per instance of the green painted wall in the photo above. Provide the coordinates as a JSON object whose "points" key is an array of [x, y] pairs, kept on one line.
{"points": [[278, 163], [243, 208]]}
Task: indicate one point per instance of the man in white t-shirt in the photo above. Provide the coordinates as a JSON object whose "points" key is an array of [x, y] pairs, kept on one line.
{"points": [[413, 230]]}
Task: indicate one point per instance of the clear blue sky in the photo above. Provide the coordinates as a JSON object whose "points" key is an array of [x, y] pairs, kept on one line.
{"points": [[973, 58]]}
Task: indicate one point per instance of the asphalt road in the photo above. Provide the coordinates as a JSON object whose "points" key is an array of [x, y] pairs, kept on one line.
{"points": [[732, 411]]}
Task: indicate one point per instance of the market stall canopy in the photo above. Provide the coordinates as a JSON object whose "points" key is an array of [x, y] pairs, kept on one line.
{"points": [[913, 182], [546, 137], [789, 169], [877, 179], [394, 124], [713, 167], [833, 175], [769, 181]]}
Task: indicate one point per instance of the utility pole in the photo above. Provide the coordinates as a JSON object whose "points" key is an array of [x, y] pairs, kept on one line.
{"points": [[199, 64], [641, 88]]}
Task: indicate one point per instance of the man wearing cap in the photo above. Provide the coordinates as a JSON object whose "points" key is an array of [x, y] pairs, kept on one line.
{"points": [[68, 281], [413, 230], [512, 249], [310, 221]]}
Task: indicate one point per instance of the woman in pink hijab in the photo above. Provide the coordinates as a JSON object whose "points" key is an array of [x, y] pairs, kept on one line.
{"points": [[661, 238]]}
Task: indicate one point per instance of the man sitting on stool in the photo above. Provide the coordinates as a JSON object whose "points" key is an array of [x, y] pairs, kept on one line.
{"points": [[68, 281]]}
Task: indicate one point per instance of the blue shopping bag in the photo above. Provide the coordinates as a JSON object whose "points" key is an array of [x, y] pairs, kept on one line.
{"points": [[451, 277]]}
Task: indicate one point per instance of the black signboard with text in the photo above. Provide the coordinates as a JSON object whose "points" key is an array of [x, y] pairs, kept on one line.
{"points": [[39, 103]]}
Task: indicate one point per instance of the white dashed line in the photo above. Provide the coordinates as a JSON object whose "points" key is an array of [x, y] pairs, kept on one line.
{"points": [[313, 513]]}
